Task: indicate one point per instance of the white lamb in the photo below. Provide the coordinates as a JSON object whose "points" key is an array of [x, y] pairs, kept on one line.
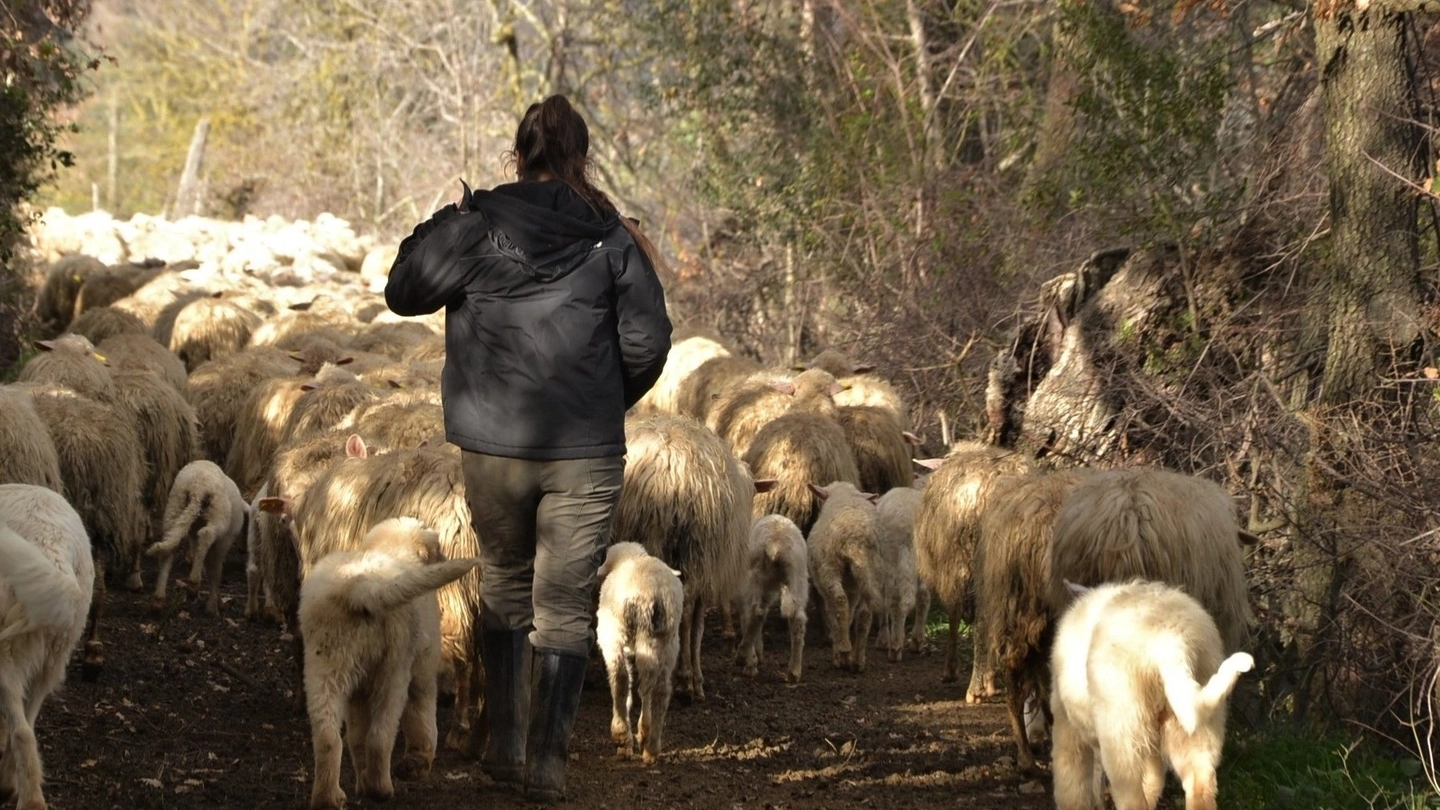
{"points": [[1139, 682], [779, 571], [847, 569], [206, 505], [47, 575], [638, 632]]}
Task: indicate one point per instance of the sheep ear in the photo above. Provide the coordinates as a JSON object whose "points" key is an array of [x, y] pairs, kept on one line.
{"points": [[912, 439], [784, 387], [799, 367], [296, 356], [275, 506], [355, 447], [863, 368], [396, 384], [820, 492], [309, 386], [1248, 539], [676, 573], [345, 361], [930, 463], [871, 496], [766, 484], [45, 345], [835, 388], [1076, 589]]}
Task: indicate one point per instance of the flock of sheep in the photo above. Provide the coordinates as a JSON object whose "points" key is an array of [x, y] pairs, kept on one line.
{"points": [[189, 405]]}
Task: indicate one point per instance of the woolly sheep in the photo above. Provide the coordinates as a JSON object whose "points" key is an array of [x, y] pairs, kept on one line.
{"points": [[259, 427], [206, 508], [27, 453], [947, 528], [70, 360], [425, 483], [392, 339], [703, 388], [220, 388], [637, 628], [741, 409], [1160, 525], [167, 428], [803, 446], [846, 568], [47, 578], [882, 448], [209, 328], [1014, 619], [371, 626], [327, 399], [902, 593], [110, 285], [143, 353], [55, 305], [687, 500], [1140, 683], [686, 355], [859, 387], [406, 418], [779, 571], [103, 322]]}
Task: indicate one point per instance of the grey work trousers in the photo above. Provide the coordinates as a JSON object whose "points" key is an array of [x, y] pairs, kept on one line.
{"points": [[543, 527]]}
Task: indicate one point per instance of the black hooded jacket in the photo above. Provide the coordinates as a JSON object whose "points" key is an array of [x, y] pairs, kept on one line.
{"points": [[555, 322]]}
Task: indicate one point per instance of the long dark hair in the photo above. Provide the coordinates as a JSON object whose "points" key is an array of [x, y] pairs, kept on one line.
{"points": [[553, 139]]}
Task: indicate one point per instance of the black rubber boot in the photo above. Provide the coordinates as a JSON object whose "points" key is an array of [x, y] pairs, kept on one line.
{"points": [[506, 657], [557, 701]]}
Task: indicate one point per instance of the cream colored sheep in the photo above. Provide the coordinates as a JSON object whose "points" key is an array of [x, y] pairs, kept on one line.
{"points": [[27, 453], [1014, 620], [703, 388], [371, 626], [55, 305], [882, 448], [47, 577], [126, 352], [1160, 525], [743, 407], [804, 446], [71, 361], [860, 387], [947, 528], [327, 399], [846, 569], [637, 628], [779, 572], [209, 328], [686, 355], [1140, 683], [167, 428], [206, 508], [687, 500], [220, 388], [259, 426], [102, 322], [902, 592]]}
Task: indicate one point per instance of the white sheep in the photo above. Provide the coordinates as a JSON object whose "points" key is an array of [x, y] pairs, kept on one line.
{"points": [[902, 593], [1160, 525], [27, 453], [779, 571], [637, 628], [846, 568], [47, 576], [207, 508], [371, 626], [1140, 682], [71, 361]]}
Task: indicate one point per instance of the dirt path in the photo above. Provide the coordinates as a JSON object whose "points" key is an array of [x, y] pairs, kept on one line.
{"points": [[197, 712]]}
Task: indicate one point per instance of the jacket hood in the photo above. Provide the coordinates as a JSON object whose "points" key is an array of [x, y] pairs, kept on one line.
{"points": [[544, 226]]}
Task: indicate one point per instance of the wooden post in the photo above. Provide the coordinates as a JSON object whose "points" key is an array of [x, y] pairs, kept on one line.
{"points": [[187, 197]]}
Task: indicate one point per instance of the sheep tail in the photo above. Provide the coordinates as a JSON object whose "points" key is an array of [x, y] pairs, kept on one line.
{"points": [[178, 528], [45, 597], [648, 614], [1218, 688], [381, 592]]}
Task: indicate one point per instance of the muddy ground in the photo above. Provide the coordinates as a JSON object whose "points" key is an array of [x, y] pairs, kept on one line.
{"points": [[193, 711]]}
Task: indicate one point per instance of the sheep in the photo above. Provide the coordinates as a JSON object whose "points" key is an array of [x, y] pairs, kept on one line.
{"points": [[407, 418], [371, 624], [637, 628], [144, 353], [204, 506], [99, 323], [741, 409], [1140, 683], [326, 400], [686, 355], [1014, 621], [167, 428], [702, 388], [802, 446], [687, 500], [220, 388], [55, 305], [1161, 525], [259, 426], [779, 572], [903, 593], [48, 578], [210, 327], [846, 568], [881, 447], [859, 387], [391, 338], [110, 285], [288, 329], [27, 453], [70, 360], [947, 527]]}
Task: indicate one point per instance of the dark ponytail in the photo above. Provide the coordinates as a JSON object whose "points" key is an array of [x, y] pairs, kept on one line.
{"points": [[553, 138]]}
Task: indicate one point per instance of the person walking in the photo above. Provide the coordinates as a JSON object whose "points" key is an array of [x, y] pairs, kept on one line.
{"points": [[555, 324]]}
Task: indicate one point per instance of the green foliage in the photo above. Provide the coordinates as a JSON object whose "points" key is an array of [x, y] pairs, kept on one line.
{"points": [[1284, 771], [41, 69]]}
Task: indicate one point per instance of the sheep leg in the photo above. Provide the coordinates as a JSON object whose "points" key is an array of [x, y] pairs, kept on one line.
{"points": [[698, 628], [417, 723], [922, 615], [952, 648], [797, 646], [654, 702], [214, 564], [253, 585], [618, 665], [982, 672], [746, 653], [1015, 702], [204, 542], [162, 579], [863, 619], [22, 751], [94, 657], [840, 621], [895, 630]]}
